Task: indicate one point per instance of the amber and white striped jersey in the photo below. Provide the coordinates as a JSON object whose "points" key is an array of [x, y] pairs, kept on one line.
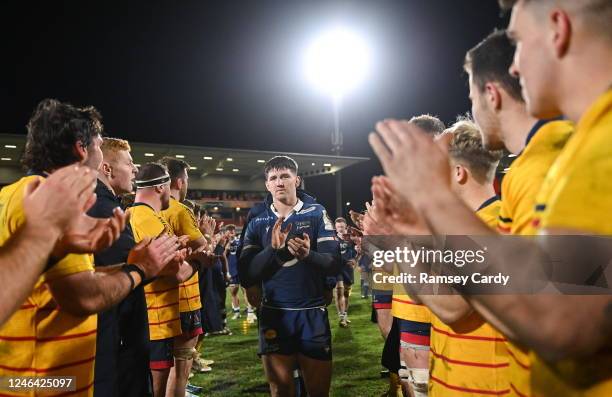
{"points": [[183, 222], [41, 339], [163, 293]]}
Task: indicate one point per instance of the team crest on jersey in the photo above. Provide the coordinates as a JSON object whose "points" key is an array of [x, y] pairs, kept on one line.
{"points": [[270, 333], [328, 223], [301, 225], [307, 210]]}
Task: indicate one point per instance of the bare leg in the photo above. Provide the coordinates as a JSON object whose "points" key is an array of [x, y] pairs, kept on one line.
{"points": [[279, 373], [384, 319], [317, 375], [347, 294], [246, 300], [183, 352], [234, 288], [340, 296], [160, 379], [415, 359]]}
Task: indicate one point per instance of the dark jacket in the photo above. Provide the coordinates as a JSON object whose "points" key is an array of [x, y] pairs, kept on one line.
{"points": [[122, 344]]}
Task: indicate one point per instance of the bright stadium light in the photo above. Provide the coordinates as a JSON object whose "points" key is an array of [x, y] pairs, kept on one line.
{"points": [[337, 61]]}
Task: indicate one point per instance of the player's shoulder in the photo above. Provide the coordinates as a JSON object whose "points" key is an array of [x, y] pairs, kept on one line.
{"points": [[553, 136], [16, 189]]}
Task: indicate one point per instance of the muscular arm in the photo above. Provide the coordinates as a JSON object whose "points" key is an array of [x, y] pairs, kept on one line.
{"points": [[442, 300], [90, 292], [197, 243], [22, 260], [533, 320], [446, 214]]}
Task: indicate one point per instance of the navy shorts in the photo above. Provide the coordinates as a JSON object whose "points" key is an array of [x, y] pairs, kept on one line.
{"points": [[233, 271], [347, 276], [381, 299], [414, 334], [191, 323], [162, 354], [290, 332]]}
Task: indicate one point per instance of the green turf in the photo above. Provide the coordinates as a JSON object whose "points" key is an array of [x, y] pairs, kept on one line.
{"points": [[356, 350]]}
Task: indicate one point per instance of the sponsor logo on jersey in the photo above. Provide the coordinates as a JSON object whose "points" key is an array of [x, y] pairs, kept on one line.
{"points": [[263, 219], [301, 225]]}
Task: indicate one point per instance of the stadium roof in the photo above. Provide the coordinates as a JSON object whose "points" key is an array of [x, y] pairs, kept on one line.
{"points": [[214, 163]]}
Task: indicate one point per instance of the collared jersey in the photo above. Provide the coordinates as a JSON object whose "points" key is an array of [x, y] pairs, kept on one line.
{"points": [[519, 191], [183, 222], [524, 179], [577, 194], [297, 284], [41, 339], [469, 357], [162, 294]]}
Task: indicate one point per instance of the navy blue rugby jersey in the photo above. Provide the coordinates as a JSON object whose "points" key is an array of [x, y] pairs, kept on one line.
{"points": [[232, 258], [297, 284], [347, 250]]}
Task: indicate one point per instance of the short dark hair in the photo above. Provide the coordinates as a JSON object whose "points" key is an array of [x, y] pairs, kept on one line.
{"points": [[341, 220], [428, 123], [490, 60], [53, 130], [176, 168], [151, 171], [230, 227], [280, 163]]}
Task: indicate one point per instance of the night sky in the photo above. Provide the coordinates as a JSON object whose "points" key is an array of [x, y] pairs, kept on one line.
{"points": [[229, 73]]}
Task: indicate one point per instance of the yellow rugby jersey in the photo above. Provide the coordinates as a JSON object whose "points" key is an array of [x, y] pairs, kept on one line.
{"points": [[183, 222], [40, 339], [577, 194], [523, 181], [519, 190], [402, 306], [162, 295], [469, 357]]}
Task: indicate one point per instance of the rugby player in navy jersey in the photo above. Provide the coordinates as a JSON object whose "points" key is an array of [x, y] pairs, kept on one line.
{"points": [[345, 279], [231, 251], [289, 248]]}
